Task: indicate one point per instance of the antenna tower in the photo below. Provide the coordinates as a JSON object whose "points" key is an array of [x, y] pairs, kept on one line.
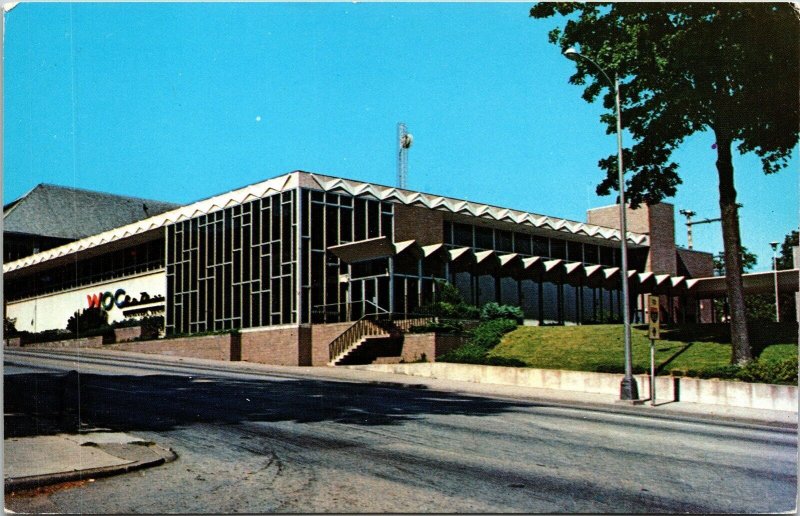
{"points": [[404, 141]]}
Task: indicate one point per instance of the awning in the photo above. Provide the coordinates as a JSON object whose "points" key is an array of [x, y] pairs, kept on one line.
{"points": [[754, 283], [363, 250]]}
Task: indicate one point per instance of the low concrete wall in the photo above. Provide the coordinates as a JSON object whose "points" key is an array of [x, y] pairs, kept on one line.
{"points": [[716, 392], [215, 347]]}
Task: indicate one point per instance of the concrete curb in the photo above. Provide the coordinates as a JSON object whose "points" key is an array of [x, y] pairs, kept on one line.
{"points": [[710, 392], [31, 482]]}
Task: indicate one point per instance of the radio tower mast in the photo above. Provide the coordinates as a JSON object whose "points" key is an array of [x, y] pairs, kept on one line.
{"points": [[404, 141]]}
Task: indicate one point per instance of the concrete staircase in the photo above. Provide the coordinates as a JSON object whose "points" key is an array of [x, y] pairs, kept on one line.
{"points": [[364, 341]]}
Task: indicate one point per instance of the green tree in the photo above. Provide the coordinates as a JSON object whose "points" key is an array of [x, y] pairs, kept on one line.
{"points": [[731, 69], [748, 259], [785, 261]]}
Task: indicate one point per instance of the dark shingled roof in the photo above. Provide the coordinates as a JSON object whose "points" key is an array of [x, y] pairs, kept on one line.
{"points": [[63, 212]]}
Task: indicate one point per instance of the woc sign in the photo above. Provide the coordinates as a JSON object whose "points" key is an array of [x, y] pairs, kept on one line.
{"points": [[120, 299]]}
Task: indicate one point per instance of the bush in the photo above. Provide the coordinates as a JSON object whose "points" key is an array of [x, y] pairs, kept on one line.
{"points": [[488, 334], [88, 319], [469, 353], [448, 293], [770, 371], [483, 338], [451, 310], [493, 310], [438, 327], [9, 327]]}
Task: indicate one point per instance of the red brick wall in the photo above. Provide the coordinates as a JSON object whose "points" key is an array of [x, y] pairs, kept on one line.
{"points": [[429, 344], [321, 337], [278, 346], [127, 334], [213, 347], [657, 221], [698, 264], [414, 223], [662, 258], [85, 342]]}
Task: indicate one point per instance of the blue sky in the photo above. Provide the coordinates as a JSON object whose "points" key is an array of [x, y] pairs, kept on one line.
{"points": [[178, 102]]}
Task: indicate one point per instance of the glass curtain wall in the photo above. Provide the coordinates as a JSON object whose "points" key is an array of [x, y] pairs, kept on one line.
{"points": [[549, 302], [233, 268], [332, 290]]}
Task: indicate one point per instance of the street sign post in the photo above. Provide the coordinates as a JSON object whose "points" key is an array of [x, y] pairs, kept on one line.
{"points": [[654, 330]]}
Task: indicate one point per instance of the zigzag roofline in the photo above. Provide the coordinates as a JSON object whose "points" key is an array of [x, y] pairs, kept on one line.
{"points": [[299, 178]]}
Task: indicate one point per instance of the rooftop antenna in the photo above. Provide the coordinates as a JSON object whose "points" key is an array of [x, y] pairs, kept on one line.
{"points": [[689, 223], [404, 141]]}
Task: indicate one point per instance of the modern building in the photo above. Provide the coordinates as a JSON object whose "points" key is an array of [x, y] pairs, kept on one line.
{"points": [[278, 258], [50, 216]]}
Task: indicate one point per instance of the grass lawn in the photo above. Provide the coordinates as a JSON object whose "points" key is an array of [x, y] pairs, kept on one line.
{"points": [[600, 348]]}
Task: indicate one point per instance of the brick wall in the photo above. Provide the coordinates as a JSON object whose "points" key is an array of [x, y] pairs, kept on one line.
{"points": [[662, 258], [289, 345], [429, 344], [213, 347], [414, 223], [657, 221], [85, 342], [696, 264], [127, 334], [321, 337]]}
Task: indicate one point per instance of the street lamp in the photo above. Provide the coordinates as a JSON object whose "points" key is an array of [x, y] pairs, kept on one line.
{"points": [[628, 389], [775, 268]]}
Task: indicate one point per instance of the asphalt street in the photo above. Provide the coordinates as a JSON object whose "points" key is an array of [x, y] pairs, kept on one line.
{"points": [[256, 443]]}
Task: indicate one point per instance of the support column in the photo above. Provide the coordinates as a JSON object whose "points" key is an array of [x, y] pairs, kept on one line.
{"points": [[391, 287]]}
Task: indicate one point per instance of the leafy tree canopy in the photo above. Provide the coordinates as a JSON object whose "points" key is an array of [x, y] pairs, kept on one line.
{"points": [[748, 262], [686, 67], [785, 259]]}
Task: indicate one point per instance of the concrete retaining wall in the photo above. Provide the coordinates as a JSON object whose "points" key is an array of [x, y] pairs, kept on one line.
{"points": [[668, 388]]}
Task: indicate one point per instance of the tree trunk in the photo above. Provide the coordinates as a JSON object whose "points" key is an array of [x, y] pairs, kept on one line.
{"points": [[731, 239]]}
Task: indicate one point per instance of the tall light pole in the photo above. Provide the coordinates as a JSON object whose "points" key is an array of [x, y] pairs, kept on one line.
{"points": [[775, 268], [628, 389]]}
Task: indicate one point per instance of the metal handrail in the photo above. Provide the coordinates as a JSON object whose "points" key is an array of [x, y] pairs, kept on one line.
{"points": [[353, 334]]}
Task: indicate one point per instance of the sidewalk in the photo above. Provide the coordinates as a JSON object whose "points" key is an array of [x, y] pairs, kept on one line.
{"points": [[31, 462]]}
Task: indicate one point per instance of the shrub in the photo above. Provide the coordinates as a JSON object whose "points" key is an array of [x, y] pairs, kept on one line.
{"points": [[488, 334], [469, 353], [770, 371], [493, 310], [448, 293], [483, 338], [9, 327], [88, 319], [438, 327], [451, 310]]}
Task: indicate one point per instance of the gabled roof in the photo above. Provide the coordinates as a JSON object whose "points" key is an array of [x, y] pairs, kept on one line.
{"points": [[73, 213]]}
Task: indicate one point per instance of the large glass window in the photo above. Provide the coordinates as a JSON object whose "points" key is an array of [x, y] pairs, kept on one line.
{"points": [[234, 268]]}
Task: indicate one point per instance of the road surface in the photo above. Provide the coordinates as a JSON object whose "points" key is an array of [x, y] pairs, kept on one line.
{"points": [[257, 443]]}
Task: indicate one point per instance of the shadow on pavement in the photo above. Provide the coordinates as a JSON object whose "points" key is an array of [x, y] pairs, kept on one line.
{"points": [[49, 403]]}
